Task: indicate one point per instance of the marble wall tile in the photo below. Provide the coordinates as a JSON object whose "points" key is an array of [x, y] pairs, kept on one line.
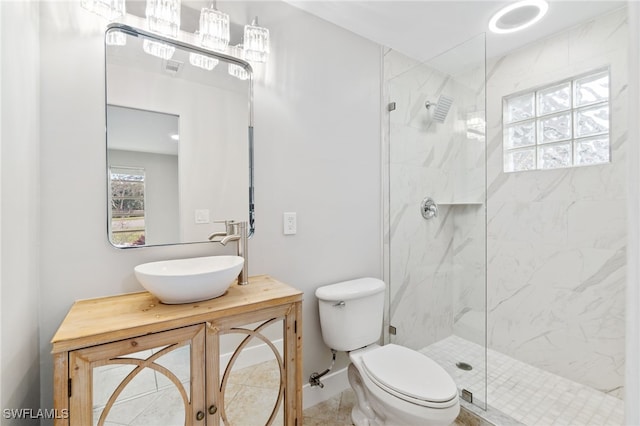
{"points": [[431, 272], [604, 35], [565, 315], [469, 267], [396, 63], [531, 65], [423, 314], [597, 224], [557, 238]]}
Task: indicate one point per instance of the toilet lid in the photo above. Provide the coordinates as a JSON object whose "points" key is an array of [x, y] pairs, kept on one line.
{"points": [[409, 373]]}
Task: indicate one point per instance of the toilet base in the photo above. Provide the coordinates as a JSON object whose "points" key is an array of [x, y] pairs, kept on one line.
{"points": [[362, 414]]}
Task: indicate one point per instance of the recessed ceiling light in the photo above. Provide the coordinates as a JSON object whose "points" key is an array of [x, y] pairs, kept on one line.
{"points": [[518, 16], [174, 137]]}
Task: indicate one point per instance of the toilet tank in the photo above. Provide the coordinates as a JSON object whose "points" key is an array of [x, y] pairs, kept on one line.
{"points": [[351, 313]]}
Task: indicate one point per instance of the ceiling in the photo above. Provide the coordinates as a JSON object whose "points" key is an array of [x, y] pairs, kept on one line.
{"points": [[423, 29], [140, 130]]}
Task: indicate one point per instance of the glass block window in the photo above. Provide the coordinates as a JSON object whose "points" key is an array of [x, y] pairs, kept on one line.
{"points": [[564, 124]]}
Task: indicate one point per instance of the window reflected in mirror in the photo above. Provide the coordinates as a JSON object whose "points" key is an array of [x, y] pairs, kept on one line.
{"points": [[127, 206], [143, 162]]}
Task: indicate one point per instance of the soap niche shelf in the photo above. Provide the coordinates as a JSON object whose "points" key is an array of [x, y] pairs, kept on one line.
{"points": [[461, 203]]}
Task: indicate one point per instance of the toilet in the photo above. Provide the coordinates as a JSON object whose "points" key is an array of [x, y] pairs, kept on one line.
{"points": [[394, 385]]}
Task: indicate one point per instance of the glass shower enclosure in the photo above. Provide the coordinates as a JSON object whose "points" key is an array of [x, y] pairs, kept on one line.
{"points": [[435, 208]]}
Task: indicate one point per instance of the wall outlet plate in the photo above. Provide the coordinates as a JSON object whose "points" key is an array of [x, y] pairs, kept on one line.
{"points": [[290, 226], [202, 216]]}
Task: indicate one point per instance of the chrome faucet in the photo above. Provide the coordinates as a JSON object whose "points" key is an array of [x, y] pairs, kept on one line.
{"points": [[235, 231]]}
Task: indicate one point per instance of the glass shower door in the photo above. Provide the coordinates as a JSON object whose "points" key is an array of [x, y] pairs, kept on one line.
{"points": [[436, 216]]}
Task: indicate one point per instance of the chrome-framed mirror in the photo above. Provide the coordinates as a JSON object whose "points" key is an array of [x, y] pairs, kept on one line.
{"points": [[179, 139]]}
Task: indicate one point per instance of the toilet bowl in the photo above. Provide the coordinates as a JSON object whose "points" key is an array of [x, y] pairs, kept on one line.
{"points": [[398, 386], [394, 385]]}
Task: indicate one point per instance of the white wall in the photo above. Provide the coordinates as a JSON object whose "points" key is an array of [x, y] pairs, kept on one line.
{"points": [[20, 206], [317, 153]]}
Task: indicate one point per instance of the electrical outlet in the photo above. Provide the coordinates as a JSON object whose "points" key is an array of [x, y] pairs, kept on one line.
{"points": [[202, 216], [290, 223]]}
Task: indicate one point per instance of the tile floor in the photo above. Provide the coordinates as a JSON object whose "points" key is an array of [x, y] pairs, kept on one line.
{"points": [[521, 392], [525, 393], [251, 394], [337, 412]]}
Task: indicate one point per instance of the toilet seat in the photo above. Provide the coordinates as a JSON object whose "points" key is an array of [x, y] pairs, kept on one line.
{"points": [[410, 376]]}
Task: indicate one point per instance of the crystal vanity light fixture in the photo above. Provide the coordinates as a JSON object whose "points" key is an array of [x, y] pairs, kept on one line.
{"points": [[236, 70], [214, 29], [256, 42], [163, 17], [108, 9], [156, 48], [115, 38], [201, 61]]}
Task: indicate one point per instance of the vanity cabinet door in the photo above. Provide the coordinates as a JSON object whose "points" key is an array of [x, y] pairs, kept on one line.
{"points": [[157, 379], [257, 378]]}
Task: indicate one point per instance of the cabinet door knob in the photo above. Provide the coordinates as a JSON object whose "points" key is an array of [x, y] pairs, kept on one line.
{"points": [[213, 409], [199, 415]]}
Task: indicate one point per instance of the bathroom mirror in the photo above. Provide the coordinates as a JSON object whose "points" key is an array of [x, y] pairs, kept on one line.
{"points": [[178, 139]]}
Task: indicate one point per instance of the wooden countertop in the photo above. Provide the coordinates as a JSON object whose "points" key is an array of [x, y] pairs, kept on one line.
{"points": [[96, 321]]}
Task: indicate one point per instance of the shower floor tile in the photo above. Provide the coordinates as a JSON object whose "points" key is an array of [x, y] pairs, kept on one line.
{"points": [[525, 393]]}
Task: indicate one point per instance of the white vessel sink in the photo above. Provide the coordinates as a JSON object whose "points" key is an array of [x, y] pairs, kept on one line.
{"points": [[189, 280]]}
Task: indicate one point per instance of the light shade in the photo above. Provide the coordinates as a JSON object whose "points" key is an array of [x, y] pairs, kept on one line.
{"points": [[518, 16], [256, 42], [214, 29], [236, 70], [163, 17], [108, 9], [156, 48], [201, 61]]}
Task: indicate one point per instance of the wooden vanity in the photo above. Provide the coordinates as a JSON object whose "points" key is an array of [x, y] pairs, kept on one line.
{"points": [[136, 330]]}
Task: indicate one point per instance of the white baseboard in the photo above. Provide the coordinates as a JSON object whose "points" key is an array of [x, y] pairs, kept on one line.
{"points": [[251, 355], [334, 384]]}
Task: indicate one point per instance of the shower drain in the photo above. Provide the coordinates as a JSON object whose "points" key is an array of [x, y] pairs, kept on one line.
{"points": [[464, 366]]}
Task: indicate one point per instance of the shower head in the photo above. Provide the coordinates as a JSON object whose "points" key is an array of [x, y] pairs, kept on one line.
{"points": [[441, 108]]}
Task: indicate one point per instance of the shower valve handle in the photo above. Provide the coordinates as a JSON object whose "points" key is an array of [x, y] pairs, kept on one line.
{"points": [[429, 208]]}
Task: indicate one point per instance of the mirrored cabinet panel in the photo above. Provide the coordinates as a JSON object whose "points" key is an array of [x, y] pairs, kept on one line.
{"points": [[252, 376], [163, 382]]}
